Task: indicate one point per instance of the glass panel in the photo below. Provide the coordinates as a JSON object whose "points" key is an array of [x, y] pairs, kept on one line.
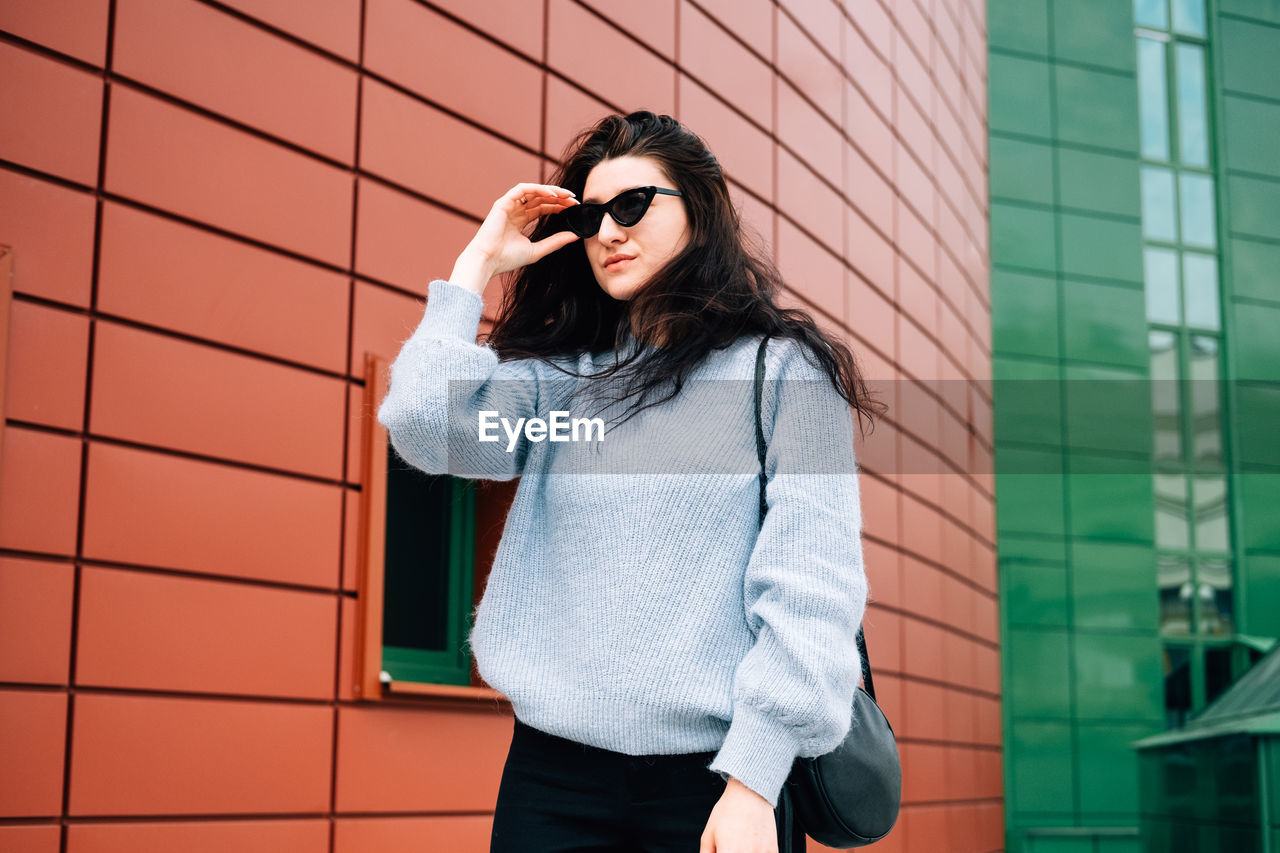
{"points": [[1193, 133], [1160, 268], [1217, 671], [1171, 510], [1216, 596], [1158, 205], [1197, 210], [1206, 423], [416, 586], [1200, 289], [1211, 513], [1177, 685], [1188, 17], [1151, 13], [1164, 397], [1153, 102]]}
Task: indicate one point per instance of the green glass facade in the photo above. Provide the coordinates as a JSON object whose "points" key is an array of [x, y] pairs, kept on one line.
{"points": [[1135, 296]]}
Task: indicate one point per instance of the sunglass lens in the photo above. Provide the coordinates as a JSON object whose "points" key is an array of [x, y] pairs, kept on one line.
{"points": [[582, 219], [629, 207]]}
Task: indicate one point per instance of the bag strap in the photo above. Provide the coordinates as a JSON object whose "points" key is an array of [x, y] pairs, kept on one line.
{"points": [[764, 507]]}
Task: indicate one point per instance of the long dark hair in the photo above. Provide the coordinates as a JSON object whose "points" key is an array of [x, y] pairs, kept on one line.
{"points": [[720, 287]]}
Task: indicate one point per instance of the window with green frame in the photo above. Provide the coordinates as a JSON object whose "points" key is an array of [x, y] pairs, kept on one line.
{"points": [[427, 575], [1194, 560], [417, 570]]}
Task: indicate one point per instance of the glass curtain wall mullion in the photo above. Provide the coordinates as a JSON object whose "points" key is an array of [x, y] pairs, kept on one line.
{"points": [[1184, 320]]}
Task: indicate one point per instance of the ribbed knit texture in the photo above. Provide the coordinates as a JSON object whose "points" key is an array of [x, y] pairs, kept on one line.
{"points": [[648, 612]]}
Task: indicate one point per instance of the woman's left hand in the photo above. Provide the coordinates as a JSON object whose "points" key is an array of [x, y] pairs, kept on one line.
{"points": [[741, 822]]}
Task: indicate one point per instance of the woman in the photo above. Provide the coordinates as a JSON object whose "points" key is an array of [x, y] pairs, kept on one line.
{"points": [[667, 657]]}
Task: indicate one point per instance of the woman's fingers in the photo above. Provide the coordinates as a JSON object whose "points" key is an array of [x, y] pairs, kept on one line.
{"points": [[504, 234], [526, 191], [547, 245], [546, 208]]}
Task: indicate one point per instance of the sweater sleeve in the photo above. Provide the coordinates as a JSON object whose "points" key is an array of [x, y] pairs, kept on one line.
{"points": [[805, 588], [441, 383]]}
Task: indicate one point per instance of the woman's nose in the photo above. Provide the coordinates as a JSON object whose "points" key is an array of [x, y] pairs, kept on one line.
{"points": [[611, 231]]}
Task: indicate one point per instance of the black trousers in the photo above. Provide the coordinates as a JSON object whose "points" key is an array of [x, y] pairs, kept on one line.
{"points": [[561, 796]]}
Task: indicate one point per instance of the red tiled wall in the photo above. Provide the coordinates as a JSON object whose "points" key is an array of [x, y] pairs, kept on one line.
{"points": [[216, 210]]}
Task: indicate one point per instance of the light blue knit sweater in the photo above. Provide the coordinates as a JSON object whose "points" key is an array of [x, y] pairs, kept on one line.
{"points": [[633, 603]]}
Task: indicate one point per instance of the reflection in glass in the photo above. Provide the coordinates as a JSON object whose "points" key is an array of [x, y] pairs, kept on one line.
{"points": [[1158, 205], [1171, 510], [1151, 13], [1210, 513], [1188, 17], [1160, 267], [1173, 574], [1197, 209], [1153, 102], [1216, 596], [1177, 688], [1217, 671], [1200, 289], [1206, 424], [1167, 437], [1193, 133]]}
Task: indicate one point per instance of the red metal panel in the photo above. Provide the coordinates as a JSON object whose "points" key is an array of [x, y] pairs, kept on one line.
{"points": [[806, 68], [39, 491], [162, 391], [713, 56], [52, 227], [239, 70], [164, 755], [807, 132], [193, 836], [35, 620], [384, 320], [30, 838], [750, 20], [412, 834], [74, 27], [425, 52], [53, 112], [427, 150], [653, 23], [597, 56], [401, 759], [157, 509], [516, 23], [815, 206], [810, 269], [48, 351], [33, 726], [405, 241], [333, 25], [745, 152], [157, 271], [148, 631], [569, 110], [214, 173]]}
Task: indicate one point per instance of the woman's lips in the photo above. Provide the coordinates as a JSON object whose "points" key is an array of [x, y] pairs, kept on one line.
{"points": [[618, 264]]}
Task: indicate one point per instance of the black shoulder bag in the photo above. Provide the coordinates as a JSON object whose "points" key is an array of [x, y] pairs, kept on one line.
{"points": [[850, 796]]}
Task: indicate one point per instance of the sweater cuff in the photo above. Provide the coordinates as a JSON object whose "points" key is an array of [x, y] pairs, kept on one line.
{"points": [[758, 751], [452, 312]]}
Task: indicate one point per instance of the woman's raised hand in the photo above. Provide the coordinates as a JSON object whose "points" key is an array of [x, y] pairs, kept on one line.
{"points": [[502, 244]]}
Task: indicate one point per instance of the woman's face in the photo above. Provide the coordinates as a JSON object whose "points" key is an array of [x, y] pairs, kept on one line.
{"points": [[660, 234]]}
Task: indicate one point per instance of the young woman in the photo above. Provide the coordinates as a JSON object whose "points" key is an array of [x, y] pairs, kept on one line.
{"points": [[667, 656]]}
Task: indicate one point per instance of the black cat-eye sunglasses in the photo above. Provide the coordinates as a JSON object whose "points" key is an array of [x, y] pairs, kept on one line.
{"points": [[626, 208]]}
